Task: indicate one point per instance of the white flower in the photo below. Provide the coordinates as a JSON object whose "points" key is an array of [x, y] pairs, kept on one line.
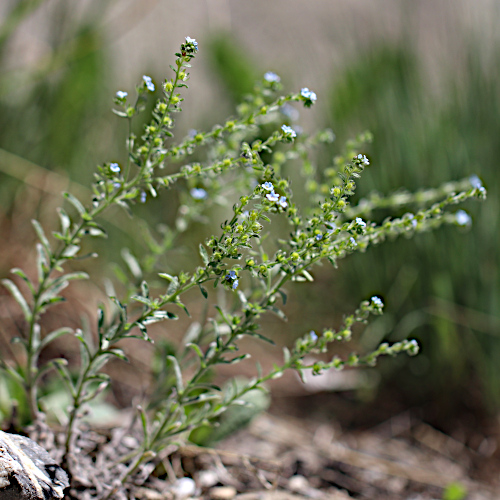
{"points": [[198, 193], [271, 77], [288, 131], [364, 159], [149, 83], [463, 218]]}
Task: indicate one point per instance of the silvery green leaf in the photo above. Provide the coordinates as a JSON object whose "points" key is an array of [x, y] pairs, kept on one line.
{"points": [[141, 299], [278, 312], [54, 335], [132, 264], [65, 221], [41, 236], [204, 254], [22, 274], [77, 204], [178, 374], [71, 251], [307, 275], [122, 114], [19, 298], [286, 355], [174, 285], [60, 365]]}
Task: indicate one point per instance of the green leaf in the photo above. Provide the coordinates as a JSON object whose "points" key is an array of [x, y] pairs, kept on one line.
{"points": [[197, 350], [262, 337], [307, 276], [203, 291], [145, 426], [65, 221], [54, 335], [132, 264], [122, 114], [278, 312], [174, 285], [22, 274], [178, 374], [60, 365], [204, 254], [141, 299], [41, 236], [77, 204], [118, 353], [42, 263], [19, 298]]}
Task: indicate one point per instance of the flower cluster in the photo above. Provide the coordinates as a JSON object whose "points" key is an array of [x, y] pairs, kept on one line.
{"points": [[281, 201], [288, 133], [271, 77], [308, 96]]}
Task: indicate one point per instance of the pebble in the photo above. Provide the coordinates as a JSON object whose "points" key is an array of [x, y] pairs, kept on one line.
{"points": [[184, 487], [207, 478], [298, 484], [222, 493]]}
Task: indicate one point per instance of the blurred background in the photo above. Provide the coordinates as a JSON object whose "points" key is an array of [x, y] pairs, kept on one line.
{"points": [[421, 76]]}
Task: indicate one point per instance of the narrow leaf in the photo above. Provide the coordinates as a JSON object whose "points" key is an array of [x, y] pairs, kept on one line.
{"points": [[41, 236], [204, 254], [19, 298], [178, 374], [54, 335], [22, 274], [76, 203]]}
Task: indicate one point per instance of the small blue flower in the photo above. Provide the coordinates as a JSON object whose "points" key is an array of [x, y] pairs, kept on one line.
{"points": [[376, 301], [271, 77], [288, 131], [143, 197], [231, 275], [319, 236], [363, 159], [313, 336], [235, 284], [198, 193], [353, 241], [360, 222], [245, 214], [268, 186], [309, 97], [121, 94], [192, 42], [117, 185], [283, 203], [475, 181], [149, 83], [114, 167], [273, 196], [463, 218]]}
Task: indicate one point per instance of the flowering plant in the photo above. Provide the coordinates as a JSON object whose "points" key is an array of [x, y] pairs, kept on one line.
{"points": [[245, 160]]}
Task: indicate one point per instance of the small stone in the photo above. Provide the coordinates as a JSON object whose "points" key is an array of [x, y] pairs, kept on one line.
{"points": [[207, 478], [298, 484], [222, 493], [184, 487], [27, 471]]}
